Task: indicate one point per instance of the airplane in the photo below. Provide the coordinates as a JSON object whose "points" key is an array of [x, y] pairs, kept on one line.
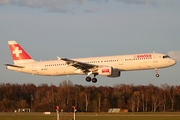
{"points": [[110, 66]]}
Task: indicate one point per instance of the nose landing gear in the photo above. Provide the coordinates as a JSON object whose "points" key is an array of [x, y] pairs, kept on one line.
{"points": [[157, 75]]}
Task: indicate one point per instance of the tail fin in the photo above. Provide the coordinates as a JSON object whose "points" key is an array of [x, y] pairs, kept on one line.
{"points": [[19, 55]]}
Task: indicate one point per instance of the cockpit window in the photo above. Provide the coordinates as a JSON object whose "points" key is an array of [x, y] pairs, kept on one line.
{"points": [[166, 56]]}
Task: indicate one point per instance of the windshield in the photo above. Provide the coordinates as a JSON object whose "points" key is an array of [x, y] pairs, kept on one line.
{"points": [[166, 56]]}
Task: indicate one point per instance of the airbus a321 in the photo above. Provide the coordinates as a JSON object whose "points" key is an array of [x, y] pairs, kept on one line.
{"points": [[110, 66]]}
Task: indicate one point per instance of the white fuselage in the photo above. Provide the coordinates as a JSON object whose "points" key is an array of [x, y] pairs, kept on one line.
{"points": [[122, 63]]}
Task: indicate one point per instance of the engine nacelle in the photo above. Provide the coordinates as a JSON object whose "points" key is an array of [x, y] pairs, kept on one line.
{"points": [[105, 71], [115, 73]]}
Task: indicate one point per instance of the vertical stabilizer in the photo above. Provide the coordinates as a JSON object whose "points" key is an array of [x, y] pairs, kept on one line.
{"points": [[19, 55]]}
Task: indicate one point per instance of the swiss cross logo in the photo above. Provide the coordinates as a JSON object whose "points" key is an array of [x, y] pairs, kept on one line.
{"points": [[105, 71], [17, 51]]}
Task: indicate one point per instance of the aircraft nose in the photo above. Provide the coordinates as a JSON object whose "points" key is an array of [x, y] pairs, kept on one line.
{"points": [[173, 62]]}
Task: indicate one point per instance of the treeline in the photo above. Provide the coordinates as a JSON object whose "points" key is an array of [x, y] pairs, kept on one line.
{"points": [[45, 97]]}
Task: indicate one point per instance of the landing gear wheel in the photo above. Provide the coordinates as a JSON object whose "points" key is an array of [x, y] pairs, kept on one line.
{"points": [[94, 80], [88, 79], [157, 75]]}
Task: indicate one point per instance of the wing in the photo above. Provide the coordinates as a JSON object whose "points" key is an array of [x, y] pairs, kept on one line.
{"points": [[85, 67]]}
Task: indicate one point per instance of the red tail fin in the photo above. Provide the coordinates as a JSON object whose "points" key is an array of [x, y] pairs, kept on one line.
{"points": [[19, 55]]}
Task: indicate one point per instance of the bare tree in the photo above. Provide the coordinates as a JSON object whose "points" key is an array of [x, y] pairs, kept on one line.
{"points": [[99, 102], [105, 94], [87, 97], [156, 97], [132, 104], [135, 101], [66, 94], [172, 92]]}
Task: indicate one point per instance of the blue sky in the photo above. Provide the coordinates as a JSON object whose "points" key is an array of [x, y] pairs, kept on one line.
{"points": [[86, 28]]}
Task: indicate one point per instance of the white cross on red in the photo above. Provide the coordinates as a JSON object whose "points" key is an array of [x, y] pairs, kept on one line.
{"points": [[17, 51]]}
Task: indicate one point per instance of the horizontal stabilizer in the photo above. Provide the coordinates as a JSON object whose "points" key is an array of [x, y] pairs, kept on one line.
{"points": [[17, 66]]}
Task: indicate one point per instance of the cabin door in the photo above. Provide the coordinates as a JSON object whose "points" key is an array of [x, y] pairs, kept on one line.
{"points": [[34, 69], [121, 61], [155, 58]]}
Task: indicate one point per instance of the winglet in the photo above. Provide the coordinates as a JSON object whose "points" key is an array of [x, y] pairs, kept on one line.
{"points": [[58, 58]]}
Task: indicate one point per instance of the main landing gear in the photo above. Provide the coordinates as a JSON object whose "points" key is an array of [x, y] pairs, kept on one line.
{"points": [[88, 79], [94, 79], [157, 75]]}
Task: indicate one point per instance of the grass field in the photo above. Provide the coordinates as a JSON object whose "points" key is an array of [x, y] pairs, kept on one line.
{"points": [[92, 116]]}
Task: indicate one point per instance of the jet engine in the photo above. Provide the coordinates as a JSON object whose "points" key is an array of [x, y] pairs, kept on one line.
{"points": [[105, 71], [115, 73]]}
